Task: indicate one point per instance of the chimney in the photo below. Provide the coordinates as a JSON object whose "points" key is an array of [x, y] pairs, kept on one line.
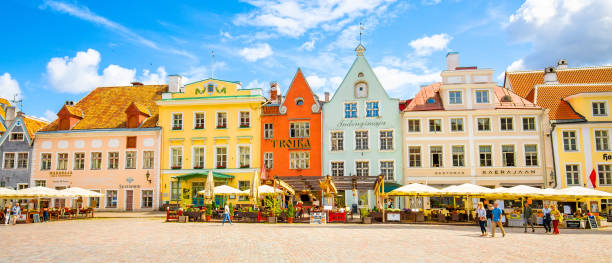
{"points": [[175, 83], [274, 92], [452, 60], [10, 115], [327, 96], [136, 83], [69, 103], [562, 64], [550, 76]]}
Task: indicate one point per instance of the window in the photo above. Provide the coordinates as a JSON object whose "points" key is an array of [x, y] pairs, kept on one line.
{"points": [[96, 161], [177, 121], [361, 140], [372, 109], [458, 156], [198, 122], [16, 136], [242, 186], [9, 160], [299, 102], [602, 140], [386, 169], [45, 161], [94, 202], [456, 125], [435, 125], [361, 90], [148, 160], [531, 155], [454, 97], [414, 156], [506, 123], [299, 130], [131, 142], [436, 156], [113, 160], [508, 155], [245, 119], [572, 175], [350, 110], [221, 120], [337, 168], [22, 186], [569, 141], [299, 160], [484, 124], [529, 124], [130, 160], [245, 156], [414, 125], [599, 108], [22, 160], [198, 157], [147, 198], [485, 155], [111, 198], [176, 157], [337, 141], [386, 140], [221, 157], [175, 188], [79, 161], [42, 183], [62, 161], [268, 130], [605, 174], [482, 96], [362, 168], [268, 160]]}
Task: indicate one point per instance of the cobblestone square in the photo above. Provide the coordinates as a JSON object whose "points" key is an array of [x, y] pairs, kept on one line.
{"points": [[152, 240]]}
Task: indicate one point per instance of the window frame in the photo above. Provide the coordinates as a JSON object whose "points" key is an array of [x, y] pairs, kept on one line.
{"points": [[501, 118], [535, 123], [357, 169], [268, 160], [605, 103], [331, 167], [599, 179], [194, 158], [67, 159], [380, 167], [340, 147], [450, 124], [268, 132], [578, 173], [116, 201], [91, 161], [441, 159], [576, 140], [450, 97], [171, 157], [172, 119], [419, 155], [299, 160], [391, 143], [377, 109], [195, 120], [367, 139], [489, 153], [145, 160], [239, 156], [537, 154], [299, 129], [459, 154], [248, 119], [608, 148], [351, 111], [18, 159], [429, 125], [504, 159], [217, 155], [16, 133], [476, 96], [135, 160], [42, 160], [142, 198], [418, 126], [226, 121], [109, 162], [74, 161], [478, 124]]}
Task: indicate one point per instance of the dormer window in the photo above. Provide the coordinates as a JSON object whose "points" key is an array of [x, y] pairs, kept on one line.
{"points": [[506, 98], [454, 97], [599, 108], [299, 101], [69, 116], [482, 96], [431, 101], [361, 90], [136, 114]]}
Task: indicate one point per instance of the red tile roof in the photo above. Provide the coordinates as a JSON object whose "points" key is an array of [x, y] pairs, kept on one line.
{"points": [[419, 102], [552, 96]]}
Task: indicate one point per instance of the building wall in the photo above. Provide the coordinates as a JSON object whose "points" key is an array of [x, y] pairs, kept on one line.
{"points": [[16, 176], [121, 179]]}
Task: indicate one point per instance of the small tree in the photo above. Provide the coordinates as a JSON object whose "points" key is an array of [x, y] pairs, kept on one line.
{"points": [[231, 209], [209, 209], [290, 211]]}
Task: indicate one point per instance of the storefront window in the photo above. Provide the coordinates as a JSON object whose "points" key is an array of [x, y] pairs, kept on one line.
{"points": [[243, 185], [111, 198], [147, 198], [94, 201]]}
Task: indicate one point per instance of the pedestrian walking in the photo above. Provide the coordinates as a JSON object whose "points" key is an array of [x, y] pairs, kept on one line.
{"points": [[556, 217], [527, 213], [490, 217], [226, 215], [497, 220], [15, 212], [7, 214], [546, 213], [482, 219], [46, 214]]}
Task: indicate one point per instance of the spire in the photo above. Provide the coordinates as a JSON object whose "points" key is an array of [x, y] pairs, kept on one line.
{"points": [[360, 49]]}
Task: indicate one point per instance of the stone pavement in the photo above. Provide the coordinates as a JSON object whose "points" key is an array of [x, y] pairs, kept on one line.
{"points": [[152, 240]]}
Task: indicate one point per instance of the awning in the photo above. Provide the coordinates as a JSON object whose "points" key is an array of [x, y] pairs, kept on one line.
{"points": [[202, 174], [311, 183], [390, 186]]}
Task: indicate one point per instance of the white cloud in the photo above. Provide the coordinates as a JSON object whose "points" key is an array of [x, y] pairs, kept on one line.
{"points": [[316, 82], [82, 12], [80, 73], [294, 17], [426, 45], [431, 2], [404, 82], [517, 65], [576, 30], [320, 84], [308, 45], [256, 84], [256, 52], [9, 87], [49, 115]]}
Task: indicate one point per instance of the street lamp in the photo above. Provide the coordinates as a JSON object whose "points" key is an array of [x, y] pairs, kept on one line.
{"points": [[148, 175]]}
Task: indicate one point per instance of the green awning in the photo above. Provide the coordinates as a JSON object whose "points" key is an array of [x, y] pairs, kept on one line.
{"points": [[390, 186], [216, 175]]}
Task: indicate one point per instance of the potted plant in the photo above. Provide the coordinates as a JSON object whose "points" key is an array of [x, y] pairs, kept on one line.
{"points": [[273, 206], [231, 211], [290, 213], [365, 216], [176, 167], [209, 209]]}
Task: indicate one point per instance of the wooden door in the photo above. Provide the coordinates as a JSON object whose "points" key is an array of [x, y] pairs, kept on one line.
{"points": [[129, 199]]}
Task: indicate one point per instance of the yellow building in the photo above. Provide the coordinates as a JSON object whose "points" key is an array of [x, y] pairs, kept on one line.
{"points": [[581, 124], [208, 124]]}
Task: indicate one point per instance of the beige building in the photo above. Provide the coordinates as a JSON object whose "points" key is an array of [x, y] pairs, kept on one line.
{"points": [[467, 129]]}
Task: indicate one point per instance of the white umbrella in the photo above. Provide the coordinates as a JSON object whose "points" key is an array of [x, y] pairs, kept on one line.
{"points": [[466, 189], [77, 191], [268, 190], [519, 190], [551, 192], [40, 191], [578, 191], [224, 190], [415, 189], [254, 187], [209, 188], [6, 192]]}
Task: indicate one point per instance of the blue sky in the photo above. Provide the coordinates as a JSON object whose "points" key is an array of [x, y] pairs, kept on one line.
{"points": [[54, 51]]}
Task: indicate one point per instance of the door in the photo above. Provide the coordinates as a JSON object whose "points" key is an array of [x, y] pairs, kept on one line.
{"points": [[197, 199], [129, 199]]}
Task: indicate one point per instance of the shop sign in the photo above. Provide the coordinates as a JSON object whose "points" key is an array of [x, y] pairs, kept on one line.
{"points": [[572, 223], [291, 144], [60, 173], [592, 222], [607, 156], [361, 123], [60, 181], [318, 218], [449, 173], [509, 172], [129, 186]]}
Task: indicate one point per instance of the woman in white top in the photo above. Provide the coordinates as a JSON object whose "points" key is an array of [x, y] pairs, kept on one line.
{"points": [[481, 214]]}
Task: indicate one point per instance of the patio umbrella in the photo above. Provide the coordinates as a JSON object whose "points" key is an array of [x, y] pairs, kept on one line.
{"points": [[268, 190], [6, 192], [253, 193], [77, 191], [41, 191], [583, 192], [224, 190], [209, 188], [415, 189], [466, 189]]}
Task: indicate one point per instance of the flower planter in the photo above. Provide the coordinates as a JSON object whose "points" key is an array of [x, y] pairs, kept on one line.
{"points": [[367, 220], [208, 218], [220, 167], [272, 219], [176, 167], [198, 167], [221, 127], [290, 220]]}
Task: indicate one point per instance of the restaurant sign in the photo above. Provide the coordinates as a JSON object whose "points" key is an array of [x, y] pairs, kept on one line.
{"points": [[291, 144], [129, 186], [509, 172], [60, 173], [607, 156], [360, 123]]}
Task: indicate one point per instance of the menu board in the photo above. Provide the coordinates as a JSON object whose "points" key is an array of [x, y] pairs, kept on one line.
{"points": [[572, 223], [592, 222], [318, 218]]}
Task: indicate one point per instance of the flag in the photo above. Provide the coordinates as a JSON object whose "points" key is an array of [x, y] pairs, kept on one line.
{"points": [[592, 179]]}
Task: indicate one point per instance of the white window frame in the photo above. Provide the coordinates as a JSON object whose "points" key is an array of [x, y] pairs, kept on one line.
{"points": [[171, 158], [11, 136], [217, 120], [608, 130], [514, 152], [462, 154], [537, 152], [4, 160], [301, 129], [356, 110], [108, 160], [238, 157], [41, 162], [268, 159], [460, 96], [193, 156], [226, 155], [58, 160], [419, 126], [331, 140], [577, 138], [392, 140], [142, 198], [420, 155], [240, 119], [500, 123], [268, 133], [441, 125], [105, 203], [431, 159], [195, 120], [450, 124], [298, 160], [366, 161], [101, 160], [579, 173], [172, 121], [355, 140], [488, 118], [476, 96], [380, 169], [17, 160], [492, 152], [598, 177], [144, 159], [331, 167], [84, 160], [605, 102], [535, 123], [135, 160]]}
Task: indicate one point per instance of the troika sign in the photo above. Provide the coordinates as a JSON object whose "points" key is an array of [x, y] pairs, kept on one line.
{"points": [[291, 144]]}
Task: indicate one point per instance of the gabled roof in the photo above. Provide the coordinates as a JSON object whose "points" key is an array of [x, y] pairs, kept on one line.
{"points": [[299, 81], [33, 125], [141, 108], [552, 96], [523, 82], [515, 101], [104, 107], [74, 111]]}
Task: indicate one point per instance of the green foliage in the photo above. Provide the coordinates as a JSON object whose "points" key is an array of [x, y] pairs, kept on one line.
{"points": [[209, 209], [290, 210], [231, 209], [365, 212], [273, 205]]}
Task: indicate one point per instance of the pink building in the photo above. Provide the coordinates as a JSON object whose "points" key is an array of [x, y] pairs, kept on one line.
{"points": [[107, 142]]}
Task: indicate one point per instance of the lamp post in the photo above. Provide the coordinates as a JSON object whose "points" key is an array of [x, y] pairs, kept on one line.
{"points": [[148, 175]]}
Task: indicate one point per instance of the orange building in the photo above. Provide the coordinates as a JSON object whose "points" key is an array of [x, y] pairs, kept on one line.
{"points": [[291, 131]]}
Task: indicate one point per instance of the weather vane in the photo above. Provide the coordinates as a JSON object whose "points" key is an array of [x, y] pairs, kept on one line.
{"points": [[18, 101], [360, 31], [212, 64]]}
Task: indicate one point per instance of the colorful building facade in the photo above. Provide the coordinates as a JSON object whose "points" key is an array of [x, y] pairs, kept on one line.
{"points": [[291, 131], [208, 125], [361, 129], [108, 142]]}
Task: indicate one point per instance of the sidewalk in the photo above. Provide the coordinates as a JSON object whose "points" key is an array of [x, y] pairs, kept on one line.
{"points": [[148, 214]]}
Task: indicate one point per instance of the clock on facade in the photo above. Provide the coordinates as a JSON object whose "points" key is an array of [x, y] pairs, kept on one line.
{"points": [[361, 90]]}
